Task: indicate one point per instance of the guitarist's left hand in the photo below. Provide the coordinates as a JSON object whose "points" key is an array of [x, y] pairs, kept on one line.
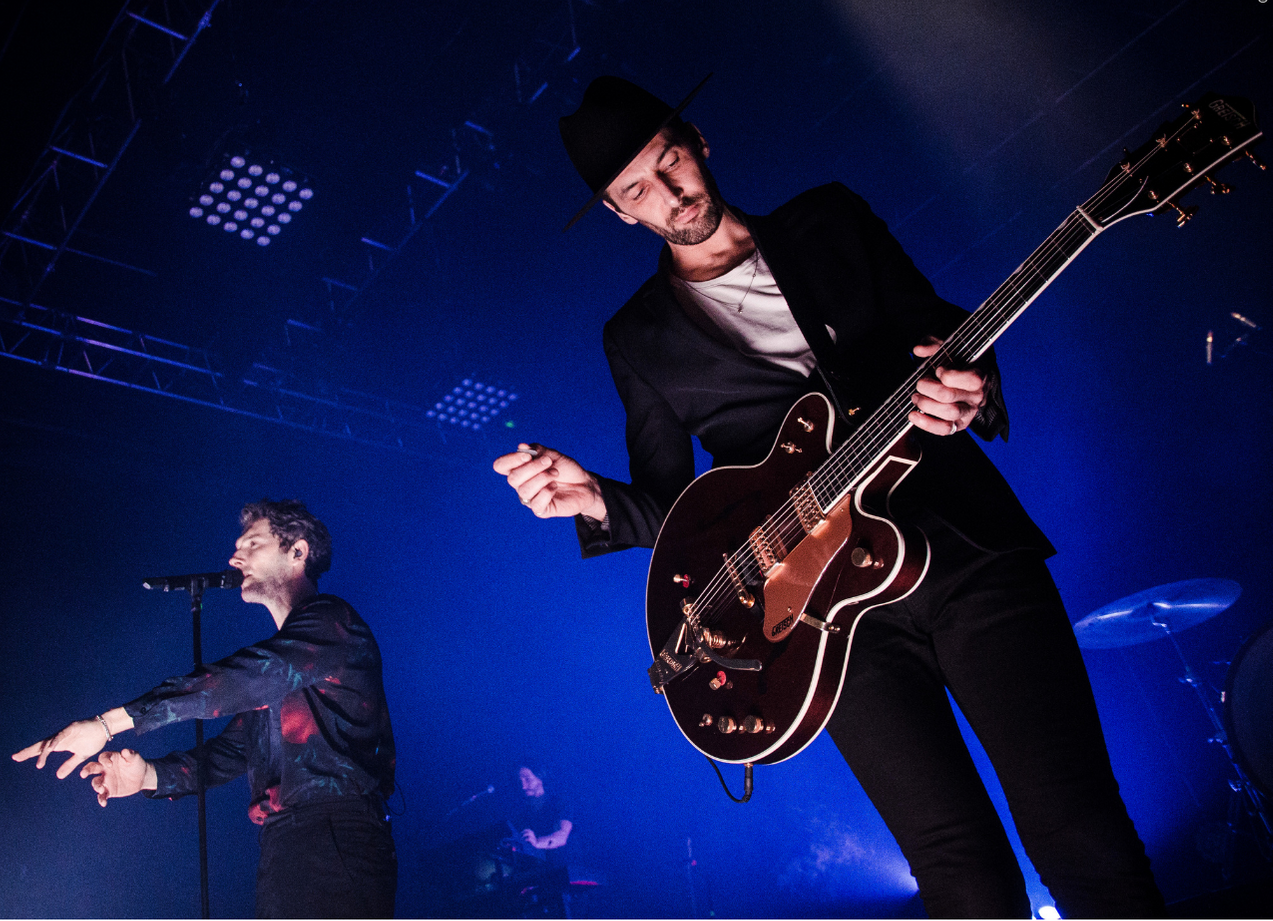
{"points": [[949, 402]]}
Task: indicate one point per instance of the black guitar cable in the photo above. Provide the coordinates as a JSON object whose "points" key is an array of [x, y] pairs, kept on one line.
{"points": [[747, 766]]}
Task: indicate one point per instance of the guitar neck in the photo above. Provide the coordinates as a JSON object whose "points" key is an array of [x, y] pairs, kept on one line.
{"points": [[1215, 130], [972, 339], [987, 323]]}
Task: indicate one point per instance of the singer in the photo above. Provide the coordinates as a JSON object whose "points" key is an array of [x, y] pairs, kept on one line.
{"points": [[311, 731]]}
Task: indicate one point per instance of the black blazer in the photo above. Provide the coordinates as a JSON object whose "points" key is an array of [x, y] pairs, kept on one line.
{"points": [[837, 265]]}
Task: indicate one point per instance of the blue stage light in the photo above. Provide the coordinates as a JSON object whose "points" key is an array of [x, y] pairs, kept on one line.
{"points": [[247, 184], [471, 404]]}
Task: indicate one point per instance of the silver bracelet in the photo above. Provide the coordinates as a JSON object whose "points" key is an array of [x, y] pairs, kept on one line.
{"points": [[109, 735]]}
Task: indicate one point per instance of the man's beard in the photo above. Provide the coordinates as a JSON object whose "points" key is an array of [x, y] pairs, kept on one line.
{"points": [[264, 589], [703, 226], [712, 210]]}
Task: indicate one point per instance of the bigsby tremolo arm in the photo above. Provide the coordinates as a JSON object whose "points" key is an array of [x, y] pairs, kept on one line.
{"points": [[688, 646]]}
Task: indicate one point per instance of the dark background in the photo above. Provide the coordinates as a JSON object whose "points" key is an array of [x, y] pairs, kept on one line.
{"points": [[973, 127]]}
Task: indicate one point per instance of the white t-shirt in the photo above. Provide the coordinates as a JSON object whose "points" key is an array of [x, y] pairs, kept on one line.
{"points": [[746, 307]]}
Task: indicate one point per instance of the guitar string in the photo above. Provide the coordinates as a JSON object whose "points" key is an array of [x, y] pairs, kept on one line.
{"points": [[992, 313], [989, 315], [783, 521], [1075, 231]]}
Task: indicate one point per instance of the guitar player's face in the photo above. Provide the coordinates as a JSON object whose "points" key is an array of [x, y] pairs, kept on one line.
{"points": [[669, 189]]}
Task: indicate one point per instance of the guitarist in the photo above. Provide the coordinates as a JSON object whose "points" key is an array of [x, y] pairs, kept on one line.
{"points": [[745, 315]]}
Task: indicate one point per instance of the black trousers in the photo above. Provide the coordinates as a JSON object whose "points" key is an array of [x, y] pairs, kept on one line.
{"points": [[327, 860], [991, 628]]}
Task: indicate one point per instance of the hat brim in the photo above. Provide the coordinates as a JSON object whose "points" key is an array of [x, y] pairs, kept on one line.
{"points": [[600, 193]]}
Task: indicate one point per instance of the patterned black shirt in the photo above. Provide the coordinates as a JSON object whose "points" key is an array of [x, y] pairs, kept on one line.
{"points": [[311, 722]]}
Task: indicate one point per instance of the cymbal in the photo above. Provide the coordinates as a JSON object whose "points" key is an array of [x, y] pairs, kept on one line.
{"points": [[1151, 614]]}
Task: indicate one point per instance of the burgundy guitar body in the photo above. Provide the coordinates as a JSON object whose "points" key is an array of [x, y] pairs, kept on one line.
{"points": [[792, 696]]}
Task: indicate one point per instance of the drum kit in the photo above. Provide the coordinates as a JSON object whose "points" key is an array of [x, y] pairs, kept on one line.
{"points": [[490, 873], [1243, 722]]}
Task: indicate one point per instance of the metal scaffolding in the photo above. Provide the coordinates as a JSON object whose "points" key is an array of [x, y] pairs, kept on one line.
{"points": [[550, 50], [138, 57], [90, 349], [141, 52]]}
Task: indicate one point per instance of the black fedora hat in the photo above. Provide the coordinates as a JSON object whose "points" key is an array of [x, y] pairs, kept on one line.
{"points": [[612, 125]]}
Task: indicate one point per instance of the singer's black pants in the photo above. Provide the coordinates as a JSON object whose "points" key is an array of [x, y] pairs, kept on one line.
{"points": [[991, 628], [327, 860]]}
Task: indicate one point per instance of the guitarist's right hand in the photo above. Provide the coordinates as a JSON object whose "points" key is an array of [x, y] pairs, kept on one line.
{"points": [[551, 484]]}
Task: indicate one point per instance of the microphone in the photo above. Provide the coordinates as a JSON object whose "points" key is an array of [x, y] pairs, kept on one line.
{"points": [[230, 578], [478, 795]]}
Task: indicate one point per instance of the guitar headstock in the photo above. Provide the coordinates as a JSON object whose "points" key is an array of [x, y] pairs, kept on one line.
{"points": [[1182, 154]]}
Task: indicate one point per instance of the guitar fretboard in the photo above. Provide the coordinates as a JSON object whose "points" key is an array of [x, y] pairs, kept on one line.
{"points": [[863, 449]]}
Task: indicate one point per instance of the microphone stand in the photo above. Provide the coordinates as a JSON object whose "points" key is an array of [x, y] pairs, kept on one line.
{"points": [[196, 617], [196, 584]]}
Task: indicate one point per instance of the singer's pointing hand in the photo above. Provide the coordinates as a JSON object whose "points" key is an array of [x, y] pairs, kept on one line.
{"points": [[83, 739]]}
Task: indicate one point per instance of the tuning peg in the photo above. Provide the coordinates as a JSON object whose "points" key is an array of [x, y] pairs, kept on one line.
{"points": [[1256, 160], [1218, 188], [1184, 214]]}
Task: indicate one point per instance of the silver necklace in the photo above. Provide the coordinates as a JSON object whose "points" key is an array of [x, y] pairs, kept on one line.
{"points": [[755, 266]]}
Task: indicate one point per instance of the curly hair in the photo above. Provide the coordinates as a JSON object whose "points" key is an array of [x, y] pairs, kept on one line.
{"points": [[290, 521]]}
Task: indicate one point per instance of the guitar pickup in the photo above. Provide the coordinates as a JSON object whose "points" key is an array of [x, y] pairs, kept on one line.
{"points": [[762, 548], [746, 598], [808, 509]]}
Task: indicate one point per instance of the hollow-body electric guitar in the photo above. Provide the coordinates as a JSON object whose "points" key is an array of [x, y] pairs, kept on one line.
{"points": [[760, 575]]}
